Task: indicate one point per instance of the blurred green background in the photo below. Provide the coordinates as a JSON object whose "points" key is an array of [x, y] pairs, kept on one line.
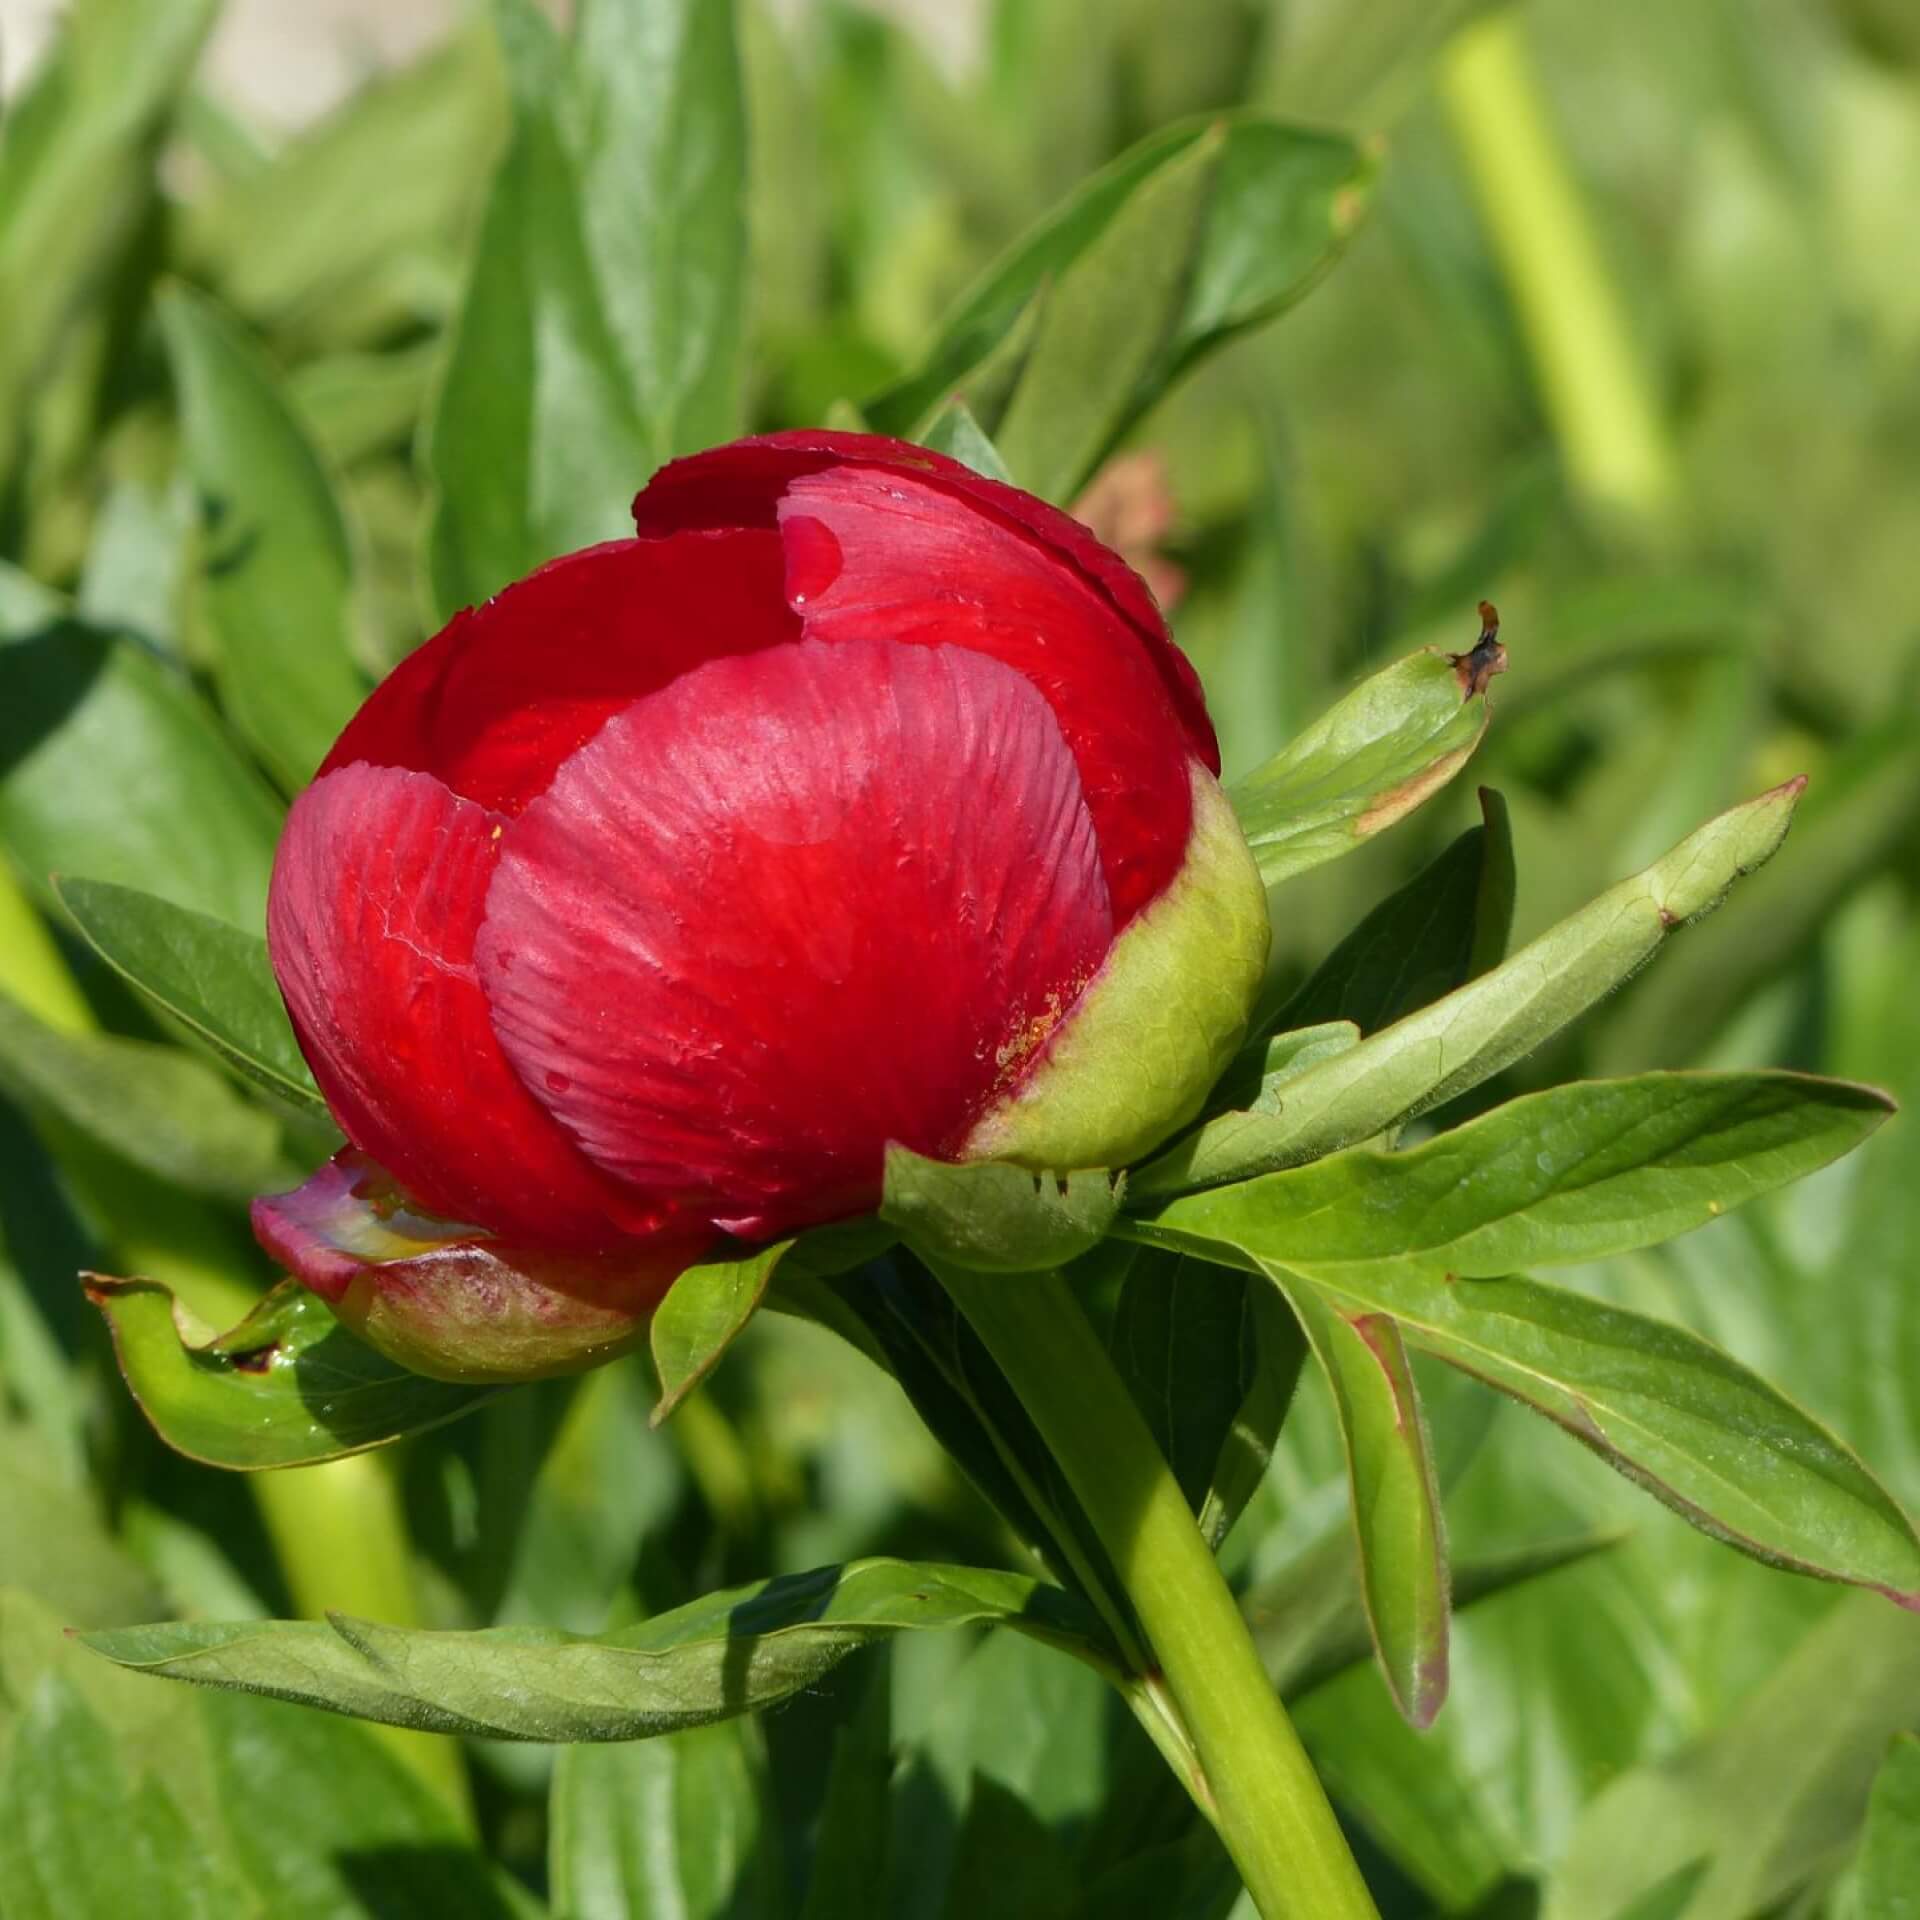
{"points": [[1626, 338]]}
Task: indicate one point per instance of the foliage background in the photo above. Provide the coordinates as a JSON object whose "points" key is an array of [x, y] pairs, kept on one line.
{"points": [[1687, 466]]}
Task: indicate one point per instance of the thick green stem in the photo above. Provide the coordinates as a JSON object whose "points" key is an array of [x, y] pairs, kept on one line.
{"points": [[1612, 435], [1270, 1807]]}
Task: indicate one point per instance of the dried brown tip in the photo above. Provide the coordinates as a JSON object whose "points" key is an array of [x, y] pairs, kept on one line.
{"points": [[1484, 658]]}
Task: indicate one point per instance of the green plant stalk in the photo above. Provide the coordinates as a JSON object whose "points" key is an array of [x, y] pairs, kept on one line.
{"points": [[1270, 1808], [1612, 435], [341, 1540], [337, 1529]]}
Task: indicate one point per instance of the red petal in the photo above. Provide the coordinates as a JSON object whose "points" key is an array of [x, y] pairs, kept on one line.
{"points": [[792, 907], [740, 484], [877, 555], [377, 893], [502, 695]]}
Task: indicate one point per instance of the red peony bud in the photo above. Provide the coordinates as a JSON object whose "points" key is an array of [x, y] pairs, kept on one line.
{"points": [[859, 799]]}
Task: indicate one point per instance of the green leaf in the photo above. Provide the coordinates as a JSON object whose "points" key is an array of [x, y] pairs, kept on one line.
{"points": [[54, 1541], [350, 232], [182, 816], [680, 1826], [994, 1217], [733, 1652], [1677, 1416], [277, 561], [1456, 1043], [1105, 322], [1574, 1173], [1773, 1799], [63, 1788], [285, 1388], [1254, 1082], [1889, 1870], [850, 1843], [154, 1105], [955, 432], [1859, 816], [1446, 926], [1282, 202], [208, 975], [600, 330], [1311, 1624], [702, 1315], [1211, 1360], [71, 196], [1396, 1498], [1365, 764]]}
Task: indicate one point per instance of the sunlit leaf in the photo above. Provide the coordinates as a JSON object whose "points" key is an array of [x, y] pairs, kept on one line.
{"points": [[1396, 1500], [1365, 764], [286, 1387], [1465, 1038]]}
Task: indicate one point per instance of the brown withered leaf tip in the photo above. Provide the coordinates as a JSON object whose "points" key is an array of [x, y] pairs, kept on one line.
{"points": [[1486, 657]]}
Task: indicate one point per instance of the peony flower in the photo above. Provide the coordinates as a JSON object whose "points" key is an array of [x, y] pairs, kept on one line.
{"points": [[858, 799]]}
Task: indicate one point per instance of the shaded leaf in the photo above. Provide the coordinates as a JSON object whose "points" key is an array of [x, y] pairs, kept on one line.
{"points": [[994, 1217], [182, 817], [1446, 926], [1889, 1870], [1211, 1361], [1427, 1058], [1365, 764], [286, 1387], [680, 1826], [209, 975], [277, 564], [154, 1105], [732, 1652], [1772, 1799], [1396, 1499]]}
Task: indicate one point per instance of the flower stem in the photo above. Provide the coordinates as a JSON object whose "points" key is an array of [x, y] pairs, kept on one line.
{"points": [[1271, 1809]]}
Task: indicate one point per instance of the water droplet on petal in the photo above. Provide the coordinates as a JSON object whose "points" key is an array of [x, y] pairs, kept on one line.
{"points": [[557, 1082], [814, 559]]}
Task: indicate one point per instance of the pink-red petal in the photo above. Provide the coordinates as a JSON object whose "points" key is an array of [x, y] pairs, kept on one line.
{"points": [[792, 907], [377, 893], [446, 1301], [874, 554], [506, 691], [740, 484]]}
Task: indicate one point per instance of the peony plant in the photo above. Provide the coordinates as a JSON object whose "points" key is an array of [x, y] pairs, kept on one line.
{"points": [[825, 900]]}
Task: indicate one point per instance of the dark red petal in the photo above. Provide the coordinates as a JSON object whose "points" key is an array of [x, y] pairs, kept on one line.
{"points": [[495, 701], [377, 893], [792, 907], [882, 555], [740, 484]]}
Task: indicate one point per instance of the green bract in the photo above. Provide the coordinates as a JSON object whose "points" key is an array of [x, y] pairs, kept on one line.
{"points": [[1157, 1024]]}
